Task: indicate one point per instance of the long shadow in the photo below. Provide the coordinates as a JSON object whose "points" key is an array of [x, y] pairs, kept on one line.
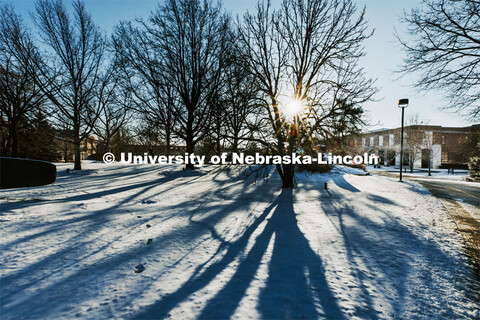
{"points": [[296, 276], [166, 176], [296, 287], [56, 226], [296, 281], [96, 221], [340, 181], [386, 249], [198, 281], [93, 221]]}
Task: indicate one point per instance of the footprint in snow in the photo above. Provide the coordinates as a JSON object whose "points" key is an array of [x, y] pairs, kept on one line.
{"points": [[139, 268]]}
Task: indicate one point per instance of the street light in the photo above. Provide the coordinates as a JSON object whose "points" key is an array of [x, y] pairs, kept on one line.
{"points": [[402, 103]]}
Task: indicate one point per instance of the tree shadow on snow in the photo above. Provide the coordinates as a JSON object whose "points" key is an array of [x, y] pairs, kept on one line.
{"points": [[296, 281], [79, 248], [296, 285]]}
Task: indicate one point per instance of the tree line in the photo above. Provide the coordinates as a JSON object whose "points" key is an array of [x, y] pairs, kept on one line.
{"points": [[191, 72]]}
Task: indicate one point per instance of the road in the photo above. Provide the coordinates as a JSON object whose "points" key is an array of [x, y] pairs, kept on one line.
{"points": [[455, 191], [451, 190]]}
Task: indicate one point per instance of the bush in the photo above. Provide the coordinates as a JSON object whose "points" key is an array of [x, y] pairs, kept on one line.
{"points": [[314, 168], [474, 168]]}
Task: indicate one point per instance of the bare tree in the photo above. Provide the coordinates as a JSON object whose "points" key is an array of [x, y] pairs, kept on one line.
{"points": [[443, 43], [194, 40], [71, 70], [20, 96], [240, 100], [114, 103], [264, 53], [305, 55], [139, 58], [414, 139]]}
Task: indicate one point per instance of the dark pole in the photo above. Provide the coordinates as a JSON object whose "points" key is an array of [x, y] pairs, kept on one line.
{"points": [[402, 103], [401, 146], [429, 161]]}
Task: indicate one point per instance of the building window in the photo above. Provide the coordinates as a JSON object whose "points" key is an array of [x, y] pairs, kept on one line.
{"points": [[443, 139], [391, 140], [444, 157], [363, 142], [372, 141], [380, 141]]}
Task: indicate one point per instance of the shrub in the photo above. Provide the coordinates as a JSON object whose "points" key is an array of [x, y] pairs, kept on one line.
{"points": [[474, 168], [314, 168]]}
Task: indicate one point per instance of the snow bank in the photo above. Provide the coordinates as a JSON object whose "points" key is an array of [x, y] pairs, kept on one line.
{"points": [[223, 246]]}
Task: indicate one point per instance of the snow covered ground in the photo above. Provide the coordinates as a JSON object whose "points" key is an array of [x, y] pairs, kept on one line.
{"points": [[439, 174], [222, 246]]}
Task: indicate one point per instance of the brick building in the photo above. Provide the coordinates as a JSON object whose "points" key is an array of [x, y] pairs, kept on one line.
{"points": [[88, 148], [421, 142]]}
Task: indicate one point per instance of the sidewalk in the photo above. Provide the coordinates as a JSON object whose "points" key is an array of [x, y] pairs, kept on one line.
{"points": [[460, 199]]}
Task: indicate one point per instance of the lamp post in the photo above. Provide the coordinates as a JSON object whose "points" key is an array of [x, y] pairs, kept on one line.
{"points": [[402, 103]]}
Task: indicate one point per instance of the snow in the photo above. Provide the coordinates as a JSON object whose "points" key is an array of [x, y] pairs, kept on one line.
{"points": [[224, 246], [436, 174]]}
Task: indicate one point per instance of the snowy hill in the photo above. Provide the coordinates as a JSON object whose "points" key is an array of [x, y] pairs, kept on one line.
{"points": [[223, 246]]}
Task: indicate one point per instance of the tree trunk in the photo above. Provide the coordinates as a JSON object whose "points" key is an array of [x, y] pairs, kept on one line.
{"points": [[217, 142], [78, 164], [235, 145], [287, 172], [107, 140], [14, 147], [288, 175], [189, 138], [167, 138], [190, 149]]}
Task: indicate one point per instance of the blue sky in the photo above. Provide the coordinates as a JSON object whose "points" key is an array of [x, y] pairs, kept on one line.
{"points": [[384, 54]]}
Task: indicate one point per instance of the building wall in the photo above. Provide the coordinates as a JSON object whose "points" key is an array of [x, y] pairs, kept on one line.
{"points": [[442, 142]]}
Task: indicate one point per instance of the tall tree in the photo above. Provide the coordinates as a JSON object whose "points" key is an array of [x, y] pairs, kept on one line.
{"points": [[20, 96], [443, 44], [305, 59], [239, 101], [70, 71], [194, 41], [140, 60]]}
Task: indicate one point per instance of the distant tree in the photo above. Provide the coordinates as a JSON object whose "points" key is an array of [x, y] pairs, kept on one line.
{"points": [[470, 146], [415, 139], [114, 101], [474, 168], [148, 137], [20, 96], [39, 142], [443, 43], [304, 58], [70, 70]]}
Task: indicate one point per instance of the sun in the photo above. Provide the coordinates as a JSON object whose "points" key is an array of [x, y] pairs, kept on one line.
{"points": [[291, 107]]}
